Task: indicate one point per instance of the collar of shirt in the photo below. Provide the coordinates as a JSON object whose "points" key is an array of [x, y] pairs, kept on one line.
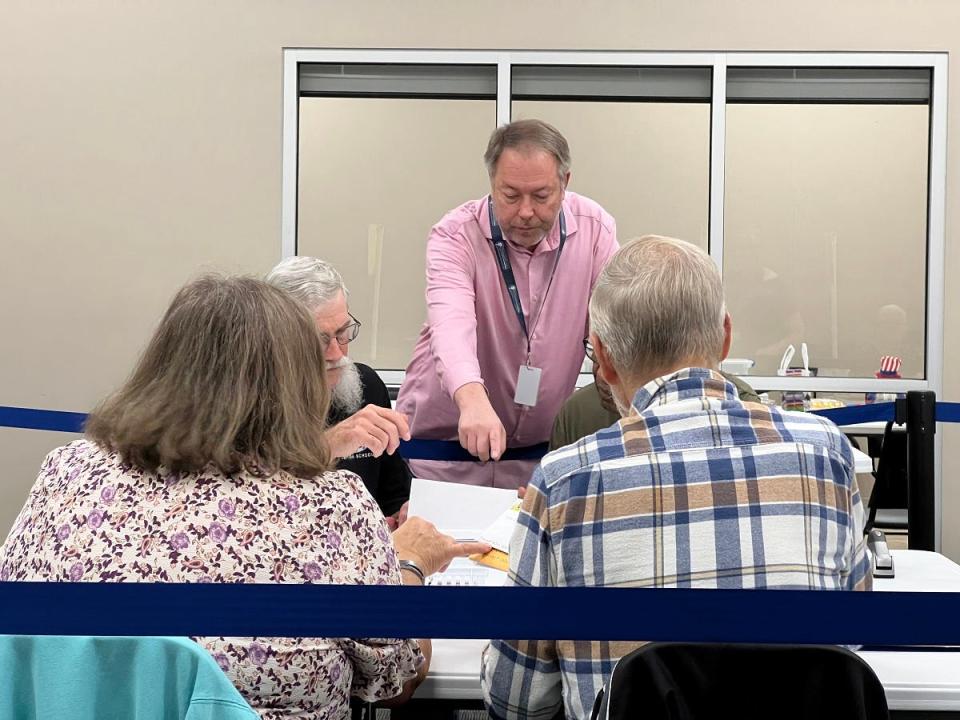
{"points": [[686, 384], [549, 243]]}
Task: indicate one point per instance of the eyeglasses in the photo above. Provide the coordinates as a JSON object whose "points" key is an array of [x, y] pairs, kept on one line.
{"points": [[345, 336], [588, 349]]}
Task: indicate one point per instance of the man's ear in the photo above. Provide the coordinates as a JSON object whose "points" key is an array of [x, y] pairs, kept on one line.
{"points": [[605, 369], [566, 181], [727, 336]]}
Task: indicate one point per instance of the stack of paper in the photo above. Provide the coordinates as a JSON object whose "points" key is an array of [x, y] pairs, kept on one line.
{"points": [[468, 512]]}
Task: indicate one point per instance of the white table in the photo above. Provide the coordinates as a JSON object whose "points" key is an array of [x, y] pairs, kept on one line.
{"points": [[862, 463], [875, 427], [913, 680], [916, 680]]}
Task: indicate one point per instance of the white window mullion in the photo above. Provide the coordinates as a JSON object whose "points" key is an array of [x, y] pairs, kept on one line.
{"points": [[718, 136]]}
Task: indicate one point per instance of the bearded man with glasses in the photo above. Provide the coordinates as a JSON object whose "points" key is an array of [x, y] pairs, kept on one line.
{"points": [[364, 432]]}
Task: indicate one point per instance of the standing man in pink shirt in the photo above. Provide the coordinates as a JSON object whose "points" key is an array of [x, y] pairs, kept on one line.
{"points": [[508, 281]]}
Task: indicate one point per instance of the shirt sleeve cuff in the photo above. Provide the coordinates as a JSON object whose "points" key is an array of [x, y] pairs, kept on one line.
{"points": [[456, 376]]}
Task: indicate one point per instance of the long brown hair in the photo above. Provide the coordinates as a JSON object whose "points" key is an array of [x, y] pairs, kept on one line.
{"points": [[233, 377]]}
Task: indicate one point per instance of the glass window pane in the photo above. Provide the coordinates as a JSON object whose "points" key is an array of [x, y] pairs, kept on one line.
{"points": [[375, 174], [825, 234], [593, 82], [836, 85], [647, 164], [398, 80]]}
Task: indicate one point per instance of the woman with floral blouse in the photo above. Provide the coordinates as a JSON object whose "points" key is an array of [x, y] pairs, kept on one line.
{"points": [[209, 465]]}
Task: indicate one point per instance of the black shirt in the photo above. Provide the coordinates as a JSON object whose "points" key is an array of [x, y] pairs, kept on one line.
{"points": [[387, 477]]}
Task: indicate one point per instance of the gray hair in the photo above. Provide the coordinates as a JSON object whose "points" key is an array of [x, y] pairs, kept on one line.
{"points": [[528, 134], [311, 281], [658, 302]]}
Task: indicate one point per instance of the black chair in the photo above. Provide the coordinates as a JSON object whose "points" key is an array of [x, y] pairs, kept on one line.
{"points": [[887, 508], [690, 681]]}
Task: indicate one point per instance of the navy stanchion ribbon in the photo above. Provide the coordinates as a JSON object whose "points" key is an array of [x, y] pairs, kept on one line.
{"points": [[33, 419], [859, 413], [452, 450], [781, 616], [946, 412]]}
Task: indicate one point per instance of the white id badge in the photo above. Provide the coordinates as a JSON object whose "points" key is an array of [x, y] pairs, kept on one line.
{"points": [[528, 385]]}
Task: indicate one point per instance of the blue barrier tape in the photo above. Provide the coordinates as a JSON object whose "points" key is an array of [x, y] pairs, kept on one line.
{"points": [[452, 450], [32, 419], [946, 412], [859, 413], [783, 616], [72, 422]]}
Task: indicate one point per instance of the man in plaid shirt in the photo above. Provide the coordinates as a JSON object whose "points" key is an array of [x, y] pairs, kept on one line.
{"points": [[692, 488]]}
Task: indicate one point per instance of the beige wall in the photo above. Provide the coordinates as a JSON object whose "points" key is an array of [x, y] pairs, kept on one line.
{"points": [[141, 141]]}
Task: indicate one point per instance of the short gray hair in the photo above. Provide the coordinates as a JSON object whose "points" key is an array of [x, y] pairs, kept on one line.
{"points": [[658, 302], [311, 281], [528, 134]]}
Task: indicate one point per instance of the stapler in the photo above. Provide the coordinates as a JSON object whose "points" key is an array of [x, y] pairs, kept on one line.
{"points": [[882, 559]]}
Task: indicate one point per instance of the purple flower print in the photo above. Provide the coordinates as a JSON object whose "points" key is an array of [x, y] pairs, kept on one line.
{"points": [[333, 540], [226, 508], [335, 673], [382, 534], [222, 660], [204, 579], [311, 571], [217, 532], [292, 502], [95, 519], [76, 572], [5, 573], [179, 541], [108, 494], [63, 532], [257, 654]]}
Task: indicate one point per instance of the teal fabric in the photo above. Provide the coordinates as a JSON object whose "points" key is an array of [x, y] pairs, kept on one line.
{"points": [[114, 677]]}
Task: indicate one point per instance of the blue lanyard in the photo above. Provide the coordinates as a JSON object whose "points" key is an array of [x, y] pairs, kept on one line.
{"points": [[506, 268]]}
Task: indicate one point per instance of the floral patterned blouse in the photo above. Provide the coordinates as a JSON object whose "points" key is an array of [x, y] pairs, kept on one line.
{"points": [[91, 517]]}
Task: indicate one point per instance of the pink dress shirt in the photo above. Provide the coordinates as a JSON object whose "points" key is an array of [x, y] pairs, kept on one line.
{"points": [[472, 333]]}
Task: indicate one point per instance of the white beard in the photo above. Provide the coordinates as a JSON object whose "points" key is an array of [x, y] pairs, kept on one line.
{"points": [[346, 396]]}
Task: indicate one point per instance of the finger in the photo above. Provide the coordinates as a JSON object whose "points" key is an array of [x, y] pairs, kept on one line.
{"points": [[393, 435], [462, 549], [522, 491], [380, 440], [384, 417], [392, 523], [483, 446], [497, 441], [471, 445]]}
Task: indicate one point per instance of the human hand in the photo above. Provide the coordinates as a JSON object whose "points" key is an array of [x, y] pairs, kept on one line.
{"points": [[522, 492], [480, 430], [420, 542], [376, 428], [399, 517]]}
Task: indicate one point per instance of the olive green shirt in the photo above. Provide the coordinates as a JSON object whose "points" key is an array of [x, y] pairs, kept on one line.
{"points": [[582, 414]]}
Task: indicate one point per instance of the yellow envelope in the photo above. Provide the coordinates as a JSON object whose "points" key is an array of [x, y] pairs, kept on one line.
{"points": [[496, 559]]}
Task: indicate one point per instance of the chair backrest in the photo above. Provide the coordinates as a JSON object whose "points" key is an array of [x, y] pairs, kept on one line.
{"points": [[688, 681], [890, 492], [146, 678]]}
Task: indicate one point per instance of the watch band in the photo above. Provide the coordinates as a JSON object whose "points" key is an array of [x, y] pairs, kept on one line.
{"points": [[415, 569]]}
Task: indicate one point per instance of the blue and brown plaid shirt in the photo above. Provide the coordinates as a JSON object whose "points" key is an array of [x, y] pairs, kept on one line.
{"points": [[693, 489]]}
